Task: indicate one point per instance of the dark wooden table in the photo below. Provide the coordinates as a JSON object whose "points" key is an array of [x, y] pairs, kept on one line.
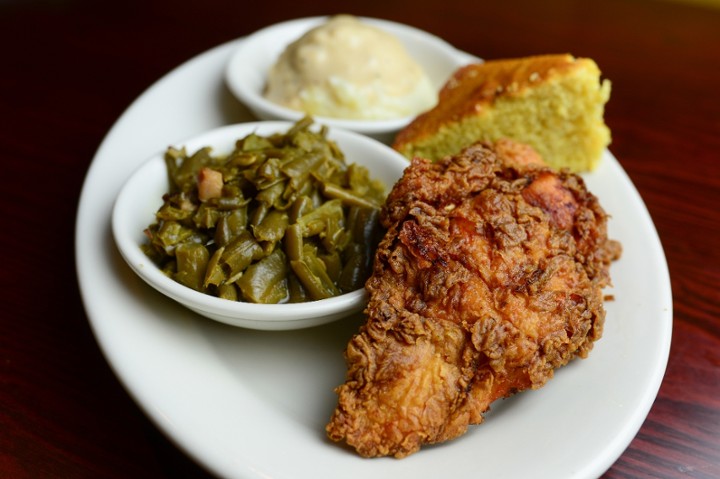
{"points": [[70, 67]]}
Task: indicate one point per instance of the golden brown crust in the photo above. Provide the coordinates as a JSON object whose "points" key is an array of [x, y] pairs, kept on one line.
{"points": [[477, 86], [489, 278]]}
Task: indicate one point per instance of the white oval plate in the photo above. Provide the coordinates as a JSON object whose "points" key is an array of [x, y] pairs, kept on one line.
{"points": [[141, 196], [253, 404]]}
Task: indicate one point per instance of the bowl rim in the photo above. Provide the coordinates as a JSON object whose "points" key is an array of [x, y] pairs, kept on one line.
{"points": [[233, 312], [256, 102]]}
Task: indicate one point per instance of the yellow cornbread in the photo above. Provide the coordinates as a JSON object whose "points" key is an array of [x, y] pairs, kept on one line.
{"points": [[554, 103]]}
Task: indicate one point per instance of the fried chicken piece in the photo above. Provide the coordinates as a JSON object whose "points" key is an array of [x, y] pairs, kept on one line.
{"points": [[489, 278]]}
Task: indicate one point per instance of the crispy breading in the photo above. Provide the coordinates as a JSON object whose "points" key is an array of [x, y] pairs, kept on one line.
{"points": [[489, 278]]}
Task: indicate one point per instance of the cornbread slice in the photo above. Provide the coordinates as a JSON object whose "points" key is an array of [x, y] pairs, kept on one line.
{"points": [[554, 103]]}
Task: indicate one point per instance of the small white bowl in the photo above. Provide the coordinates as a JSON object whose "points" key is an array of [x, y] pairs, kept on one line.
{"points": [[247, 71], [141, 196]]}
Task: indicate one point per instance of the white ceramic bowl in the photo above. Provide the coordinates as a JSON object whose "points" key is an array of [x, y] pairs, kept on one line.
{"points": [[141, 196], [246, 73]]}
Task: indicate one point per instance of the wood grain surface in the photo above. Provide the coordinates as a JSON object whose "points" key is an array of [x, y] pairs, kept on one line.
{"points": [[69, 69]]}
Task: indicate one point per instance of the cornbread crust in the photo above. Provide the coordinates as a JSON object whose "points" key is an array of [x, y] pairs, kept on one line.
{"points": [[554, 103]]}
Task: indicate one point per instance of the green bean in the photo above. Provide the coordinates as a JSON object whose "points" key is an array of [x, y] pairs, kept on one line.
{"points": [[173, 157], [243, 159], [214, 274], [171, 233], [365, 226], [188, 170], [230, 225], [317, 198], [333, 265], [301, 167], [176, 208], [365, 231], [192, 259], [300, 207], [360, 183], [335, 237], [272, 194], [300, 187], [286, 198], [240, 253], [228, 291], [272, 227], [315, 221], [294, 242], [346, 196], [311, 272], [229, 204], [259, 214], [296, 291], [302, 125], [353, 274], [253, 142], [268, 175], [206, 217], [266, 280]]}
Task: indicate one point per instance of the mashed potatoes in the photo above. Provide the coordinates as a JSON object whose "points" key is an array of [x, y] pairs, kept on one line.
{"points": [[348, 69]]}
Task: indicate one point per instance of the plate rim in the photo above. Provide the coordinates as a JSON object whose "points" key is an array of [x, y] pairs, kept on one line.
{"points": [[171, 430]]}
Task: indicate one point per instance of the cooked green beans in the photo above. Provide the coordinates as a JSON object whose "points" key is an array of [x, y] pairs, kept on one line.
{"points": [[282, 218]]}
